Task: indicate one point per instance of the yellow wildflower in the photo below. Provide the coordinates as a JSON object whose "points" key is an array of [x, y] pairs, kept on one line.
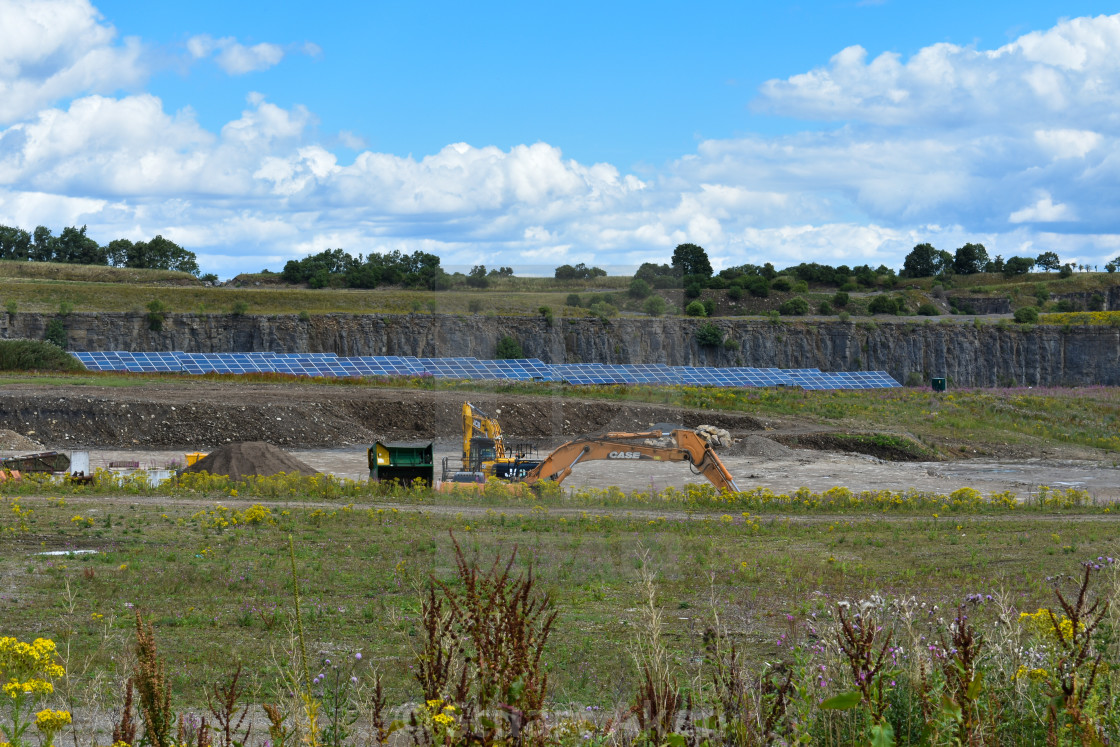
{"points": [[49, 721]]}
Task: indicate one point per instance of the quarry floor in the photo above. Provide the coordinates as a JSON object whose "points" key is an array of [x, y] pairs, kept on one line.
{"points": [[329, 427]]}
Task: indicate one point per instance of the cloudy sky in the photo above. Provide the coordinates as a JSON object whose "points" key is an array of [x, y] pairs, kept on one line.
{"points": [[536, 134]]}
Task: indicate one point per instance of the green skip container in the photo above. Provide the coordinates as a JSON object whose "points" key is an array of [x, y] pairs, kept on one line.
{"points": [[403, 462]]}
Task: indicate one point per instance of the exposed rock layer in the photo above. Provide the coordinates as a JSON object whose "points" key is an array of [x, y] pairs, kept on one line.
{"points": [[970, 355]]}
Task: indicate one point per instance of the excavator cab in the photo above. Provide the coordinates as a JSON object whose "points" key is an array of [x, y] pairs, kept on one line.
{"points": [[482, 450]]}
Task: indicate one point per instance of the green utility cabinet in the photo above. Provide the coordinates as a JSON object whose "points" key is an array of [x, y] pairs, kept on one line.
{"points": [[937, 384], [403, 462]]}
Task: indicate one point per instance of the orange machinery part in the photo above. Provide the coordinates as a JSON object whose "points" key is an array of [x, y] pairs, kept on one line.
{"points": [[690, 448]]}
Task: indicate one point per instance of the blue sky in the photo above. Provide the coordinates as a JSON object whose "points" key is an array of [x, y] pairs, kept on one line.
{"points": [[527, 135]]}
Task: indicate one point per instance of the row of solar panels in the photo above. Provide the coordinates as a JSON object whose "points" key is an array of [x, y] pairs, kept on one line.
{"points": [[524, 369]]}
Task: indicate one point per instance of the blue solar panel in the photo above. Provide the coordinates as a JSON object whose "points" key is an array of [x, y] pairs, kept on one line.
{"points": [[524, 369]]}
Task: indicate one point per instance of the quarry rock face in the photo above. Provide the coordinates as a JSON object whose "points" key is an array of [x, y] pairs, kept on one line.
{"points": [[982, 355]]}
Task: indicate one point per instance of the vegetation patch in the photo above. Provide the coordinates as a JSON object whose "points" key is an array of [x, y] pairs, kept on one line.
{"points": [[35, 355], [1094, 318]]}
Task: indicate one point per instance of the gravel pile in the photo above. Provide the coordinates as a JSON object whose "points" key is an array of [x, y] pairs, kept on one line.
{"points": [[250, 458], [759, 446], [12, 441]]}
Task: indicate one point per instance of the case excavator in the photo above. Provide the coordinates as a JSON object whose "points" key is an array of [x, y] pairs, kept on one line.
{"points": [[688, 446]]}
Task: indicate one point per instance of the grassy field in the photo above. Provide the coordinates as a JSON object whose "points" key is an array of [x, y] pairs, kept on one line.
{"points": [[12, 269], [217, 591], [47, 296]]}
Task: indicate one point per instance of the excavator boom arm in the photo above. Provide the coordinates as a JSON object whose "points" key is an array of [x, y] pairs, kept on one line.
{"points": [[617, 447]]}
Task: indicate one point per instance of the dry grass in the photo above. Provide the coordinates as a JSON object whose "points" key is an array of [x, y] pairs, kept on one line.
{"points": [[89, 273], [45, 296]]}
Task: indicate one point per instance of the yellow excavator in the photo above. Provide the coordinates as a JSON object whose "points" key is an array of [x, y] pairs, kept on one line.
{"points": [[625, 447], [485, 453]]}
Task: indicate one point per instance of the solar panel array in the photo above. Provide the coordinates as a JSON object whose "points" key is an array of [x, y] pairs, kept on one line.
{"points": [[523, 369]]}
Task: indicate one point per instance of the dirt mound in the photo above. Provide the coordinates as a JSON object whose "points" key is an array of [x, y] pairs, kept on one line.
{"points": [[889, 447], [249, 458], [759, 446], [12, 441], [203, 414]]}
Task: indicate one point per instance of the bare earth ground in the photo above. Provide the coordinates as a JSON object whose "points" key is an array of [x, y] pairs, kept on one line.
{"points": [[329, 427]]}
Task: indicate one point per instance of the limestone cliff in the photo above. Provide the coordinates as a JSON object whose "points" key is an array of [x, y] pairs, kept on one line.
{"points": [[971, 355]]}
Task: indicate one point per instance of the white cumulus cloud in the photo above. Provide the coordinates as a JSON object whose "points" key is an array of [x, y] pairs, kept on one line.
{"points": [[238, 59], [53, 49], [1043, 211], [1045, 75]]}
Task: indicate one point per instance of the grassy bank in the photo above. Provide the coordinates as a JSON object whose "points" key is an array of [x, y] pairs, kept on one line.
{"points": [[43, 287]]}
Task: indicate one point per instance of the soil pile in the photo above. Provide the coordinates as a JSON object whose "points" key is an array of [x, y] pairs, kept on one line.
{"points": [[758, 446], [12, 441], [250, 458]]}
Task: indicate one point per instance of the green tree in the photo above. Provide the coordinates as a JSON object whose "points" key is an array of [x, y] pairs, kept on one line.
{"points": [[883, 305], [509, 347], [709, 335], [603, 309], [1026, 315], [1017, 266], [74, 247], [116, 253], [574, 300], [695, 308], [654, 306], [758, 286], [659, 276], [161, 254], [42, 247], [639, 288], [476, 278], [970, 259], [690, 259], [796, 306], [1048, 261], [923, 261], [55, 333], [157, 311], [579, 272], [15, 243]]}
